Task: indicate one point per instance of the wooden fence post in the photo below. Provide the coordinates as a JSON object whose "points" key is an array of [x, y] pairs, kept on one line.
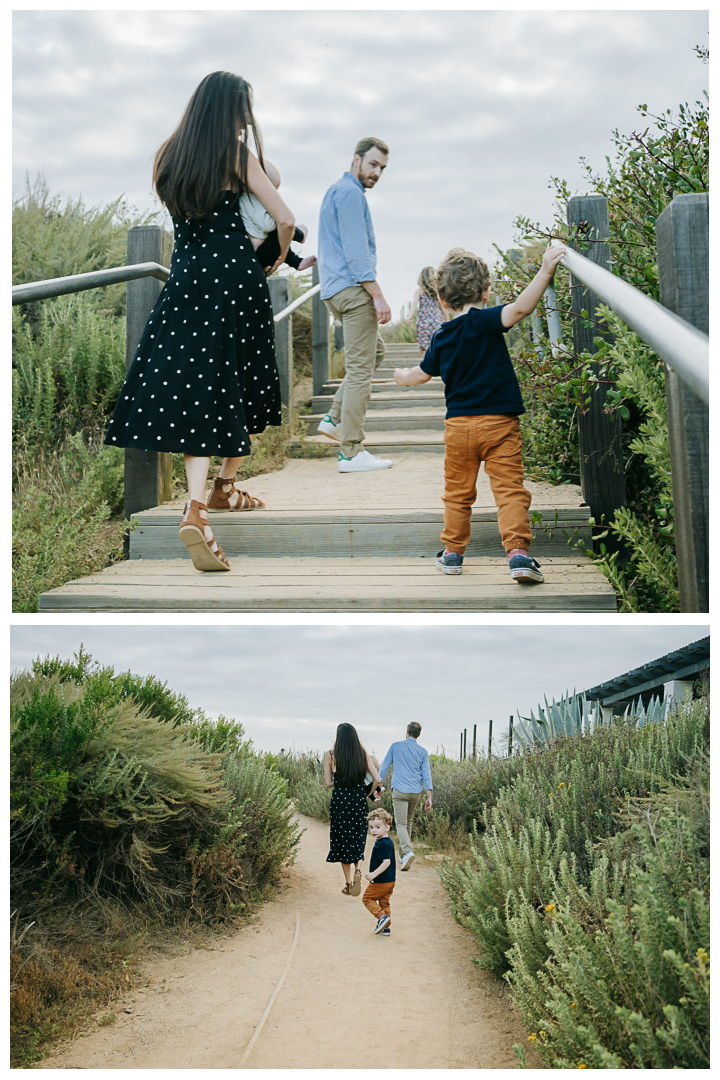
{"points": [[510, 735], [490, 740], [681, 235], [320, 335], [474, 741], [280, 298], [148, 473], [602, 470]]}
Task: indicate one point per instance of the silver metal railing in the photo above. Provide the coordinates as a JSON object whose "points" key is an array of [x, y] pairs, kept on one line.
{"points": [[684, 349], [43, 290], [296, 304]]}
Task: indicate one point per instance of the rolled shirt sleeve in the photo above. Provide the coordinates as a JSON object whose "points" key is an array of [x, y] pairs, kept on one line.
{"points": [[426, 777], [355, 234], [387, 762]]}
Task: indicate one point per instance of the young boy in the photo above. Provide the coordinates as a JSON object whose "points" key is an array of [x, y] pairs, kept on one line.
{"points": [[483, 404], [262, 231], [381, 876]]}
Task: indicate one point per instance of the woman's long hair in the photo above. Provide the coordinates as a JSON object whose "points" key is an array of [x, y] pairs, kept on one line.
{"points": [[426, 281], [208, 147], [350, 757]]}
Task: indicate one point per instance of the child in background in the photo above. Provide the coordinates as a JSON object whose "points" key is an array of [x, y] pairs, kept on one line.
{"points": [[381, 875], [425, 302], [483, 405], [262, 230]]}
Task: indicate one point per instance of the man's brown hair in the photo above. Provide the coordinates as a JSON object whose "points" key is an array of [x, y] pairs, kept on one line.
{"points": [[414, 729], [367, 144], [461, 278], [382, 814]]}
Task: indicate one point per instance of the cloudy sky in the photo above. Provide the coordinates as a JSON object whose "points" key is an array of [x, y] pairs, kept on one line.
{"points": [[479, 108], [294, 684]]}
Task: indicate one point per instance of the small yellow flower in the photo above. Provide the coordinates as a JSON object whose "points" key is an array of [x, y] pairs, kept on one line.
{"points": [[533, 1037], [572, 1004], [702, 956], [582, 1065], [562, 784], [550, 908]]}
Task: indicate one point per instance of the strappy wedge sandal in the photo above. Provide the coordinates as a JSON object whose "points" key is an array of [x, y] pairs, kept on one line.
{"points": [[357, 884], [226, 495], [197, 536], [347, 889]]}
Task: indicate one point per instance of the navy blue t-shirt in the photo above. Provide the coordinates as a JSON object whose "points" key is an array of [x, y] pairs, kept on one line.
{"points": [[470, 355], [383, 849]]}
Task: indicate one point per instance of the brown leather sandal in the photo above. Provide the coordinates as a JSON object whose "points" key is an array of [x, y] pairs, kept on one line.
{"points": [[357, 884], [197, 536], [347, 889], [226, 495]]}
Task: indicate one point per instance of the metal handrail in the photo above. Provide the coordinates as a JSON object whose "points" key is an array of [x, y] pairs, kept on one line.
{"points": [[295, 304], [43, 290], [685, 349]]}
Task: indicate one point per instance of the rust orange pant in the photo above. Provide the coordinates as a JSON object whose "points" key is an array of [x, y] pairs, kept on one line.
{"points": [[470, 440], [376, 897]]}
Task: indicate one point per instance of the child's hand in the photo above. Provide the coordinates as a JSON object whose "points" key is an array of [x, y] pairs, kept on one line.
{"points": [[552, 257], [368, 878], [400, 376]]}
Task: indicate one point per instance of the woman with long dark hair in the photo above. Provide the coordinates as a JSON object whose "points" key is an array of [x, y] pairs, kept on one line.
{"points": [[346, 767], [204, 379]]}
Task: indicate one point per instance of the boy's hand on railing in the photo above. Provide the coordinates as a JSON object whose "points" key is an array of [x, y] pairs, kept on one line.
{"points": [[551, 258]]}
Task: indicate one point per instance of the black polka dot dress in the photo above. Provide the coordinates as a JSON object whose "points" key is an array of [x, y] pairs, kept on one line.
{"points": [[348, 824], [204, 377]]}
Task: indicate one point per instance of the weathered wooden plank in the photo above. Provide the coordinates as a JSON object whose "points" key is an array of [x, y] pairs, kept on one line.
{"points": [[171, 515]]}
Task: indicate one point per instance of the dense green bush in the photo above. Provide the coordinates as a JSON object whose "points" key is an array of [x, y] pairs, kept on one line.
{"points": [[586, 832]]}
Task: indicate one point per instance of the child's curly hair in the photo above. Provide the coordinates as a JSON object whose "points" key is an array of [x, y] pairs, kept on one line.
{"points": [[461, 278], [426, 281], [382, 814]]}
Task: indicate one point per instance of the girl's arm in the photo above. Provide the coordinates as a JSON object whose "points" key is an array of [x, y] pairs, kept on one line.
{"points": [[327, 770], [259, 185], [415, 302]]}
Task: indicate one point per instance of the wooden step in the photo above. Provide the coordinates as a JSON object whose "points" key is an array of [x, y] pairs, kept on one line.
{"points": [[385, 384], [387, 399], [332, 585], [417, 418], [337, 533], [425, 441]]}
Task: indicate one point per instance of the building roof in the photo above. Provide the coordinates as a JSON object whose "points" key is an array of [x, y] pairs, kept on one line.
{"points": [[681, 664]]}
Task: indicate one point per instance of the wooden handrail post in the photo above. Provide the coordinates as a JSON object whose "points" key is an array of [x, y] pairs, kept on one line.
{"points": [[681, 234], [320, 338], [280, 298], [148, 474], [602, 471]]}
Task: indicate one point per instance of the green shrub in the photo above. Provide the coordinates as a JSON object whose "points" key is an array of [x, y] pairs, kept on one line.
{"points": [[559, 853]]}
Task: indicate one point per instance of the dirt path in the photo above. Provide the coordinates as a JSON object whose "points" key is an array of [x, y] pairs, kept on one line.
{"points": [[437, 1009]]}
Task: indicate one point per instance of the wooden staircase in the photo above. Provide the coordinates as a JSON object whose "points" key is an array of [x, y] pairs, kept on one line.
{"points": [[353, 542]]}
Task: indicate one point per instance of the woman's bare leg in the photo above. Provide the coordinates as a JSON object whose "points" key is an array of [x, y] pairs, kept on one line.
{"points": [[347, 869], [196, 470]]}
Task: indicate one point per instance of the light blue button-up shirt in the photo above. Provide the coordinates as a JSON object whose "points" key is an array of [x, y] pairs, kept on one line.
{"points": [[411, 766], [346, 240]]}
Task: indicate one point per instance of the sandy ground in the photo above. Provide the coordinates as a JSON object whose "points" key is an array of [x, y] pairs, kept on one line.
{"points": [[415, 481], [351, 1000]]}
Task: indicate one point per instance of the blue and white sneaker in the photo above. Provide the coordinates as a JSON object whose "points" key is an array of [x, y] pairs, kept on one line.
{"points": [[330, 428], [449, 562], [524, 569]]}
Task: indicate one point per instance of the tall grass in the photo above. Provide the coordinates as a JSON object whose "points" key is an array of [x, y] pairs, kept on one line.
{"points": [[125, 805]]}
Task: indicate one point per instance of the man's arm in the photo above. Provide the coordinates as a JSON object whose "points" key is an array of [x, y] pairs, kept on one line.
{"points": [[529, 298], [382, 308], [411, 376], [427, 781], [387, 762], [350, 209]]}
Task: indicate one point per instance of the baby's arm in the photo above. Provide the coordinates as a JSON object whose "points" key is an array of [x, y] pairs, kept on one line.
{"points": [[529, 298], [378, 870], [411, 376]]}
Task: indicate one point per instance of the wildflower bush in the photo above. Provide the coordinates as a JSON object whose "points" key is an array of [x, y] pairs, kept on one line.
{"points": [[124, 800], [587, 888], [669, 157]]}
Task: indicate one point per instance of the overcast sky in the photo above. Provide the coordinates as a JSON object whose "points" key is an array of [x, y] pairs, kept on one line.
{"points": [[294, 684], [479, 108]]}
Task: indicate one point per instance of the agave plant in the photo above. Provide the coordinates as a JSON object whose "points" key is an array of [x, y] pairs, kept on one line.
{"points": [[573, 714]]}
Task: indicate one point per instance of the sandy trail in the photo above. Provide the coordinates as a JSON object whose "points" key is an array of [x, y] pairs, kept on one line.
{"points": [[437, 1009]]}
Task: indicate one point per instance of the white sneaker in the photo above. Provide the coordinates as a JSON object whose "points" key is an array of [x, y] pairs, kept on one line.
{"points": [[362, 462], [330, 428], [407, 860]]}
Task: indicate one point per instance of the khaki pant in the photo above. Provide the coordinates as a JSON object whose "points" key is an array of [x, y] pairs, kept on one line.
{"points": [[404, 806], [496, 440], [376, 897], [364, 351]]}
